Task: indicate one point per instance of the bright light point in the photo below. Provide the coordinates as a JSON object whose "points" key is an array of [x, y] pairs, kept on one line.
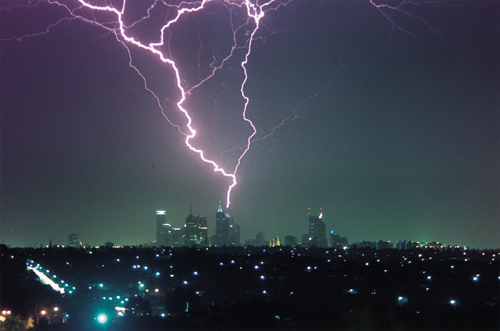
{"points": [[43, 312], [161, 212], [453, 302], [56, 308], [102, 318], [195, 273], [185, 282], [262, 277]]}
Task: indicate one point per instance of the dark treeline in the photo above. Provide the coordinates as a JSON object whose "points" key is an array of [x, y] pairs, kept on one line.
{"points": [[253, 288]]}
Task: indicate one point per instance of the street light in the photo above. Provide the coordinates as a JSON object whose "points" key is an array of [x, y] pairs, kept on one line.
{"points": [[102, 318]]}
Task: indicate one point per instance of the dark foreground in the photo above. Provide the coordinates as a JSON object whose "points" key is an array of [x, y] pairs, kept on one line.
{"points": [[250, 289]]}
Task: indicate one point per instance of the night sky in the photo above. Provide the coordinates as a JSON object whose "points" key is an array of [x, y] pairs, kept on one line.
{"points": [[394, 129]]}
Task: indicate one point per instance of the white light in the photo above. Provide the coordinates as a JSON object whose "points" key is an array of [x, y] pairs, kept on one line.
{"points": [[161, 212], [102, 318]]}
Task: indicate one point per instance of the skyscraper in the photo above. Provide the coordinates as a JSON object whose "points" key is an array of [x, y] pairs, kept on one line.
{"points": [[317, 235], [290, 241], [202, 224], [233, 231], [166, 234], [73, 240], [336, 241], [195, 231], [190, 231], [221, 228], [161, 219]]}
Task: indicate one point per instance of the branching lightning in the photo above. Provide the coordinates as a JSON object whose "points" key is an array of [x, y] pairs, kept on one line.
{"points": [[99, 15], [89, 12]]}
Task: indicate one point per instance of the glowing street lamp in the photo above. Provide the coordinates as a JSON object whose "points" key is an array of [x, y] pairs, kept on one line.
{"points": [[102, 318]]}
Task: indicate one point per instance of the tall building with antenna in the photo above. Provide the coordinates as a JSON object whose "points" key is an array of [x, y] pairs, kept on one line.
{"points": [[221, 228]]}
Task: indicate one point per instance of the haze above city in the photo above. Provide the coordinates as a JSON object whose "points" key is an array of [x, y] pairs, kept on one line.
{"points": [[393, 130]]}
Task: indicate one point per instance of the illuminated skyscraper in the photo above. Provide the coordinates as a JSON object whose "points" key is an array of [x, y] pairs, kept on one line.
{"points": [[202, 224], [317, 235], [161, 219], [166, 234], [190, 230], [195, 231], [233, 231], [221, 228]]}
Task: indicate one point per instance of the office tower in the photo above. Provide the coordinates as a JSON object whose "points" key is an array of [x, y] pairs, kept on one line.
{"points": [[259, 239], [177, 234], [161, 219], [336, 241], [166, 234], [73, 240], [221, 228], [233, 231], [195, 231], [190, 231], [290, 241], [317, 236], [202, 223]]}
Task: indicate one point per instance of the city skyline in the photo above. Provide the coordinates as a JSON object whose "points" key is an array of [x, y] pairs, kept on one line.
{"points": [[316, 234], [385, 117]]}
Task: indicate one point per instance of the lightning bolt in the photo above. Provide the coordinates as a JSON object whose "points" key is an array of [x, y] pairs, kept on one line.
{"points": [[99, 15], [113, 20]]}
